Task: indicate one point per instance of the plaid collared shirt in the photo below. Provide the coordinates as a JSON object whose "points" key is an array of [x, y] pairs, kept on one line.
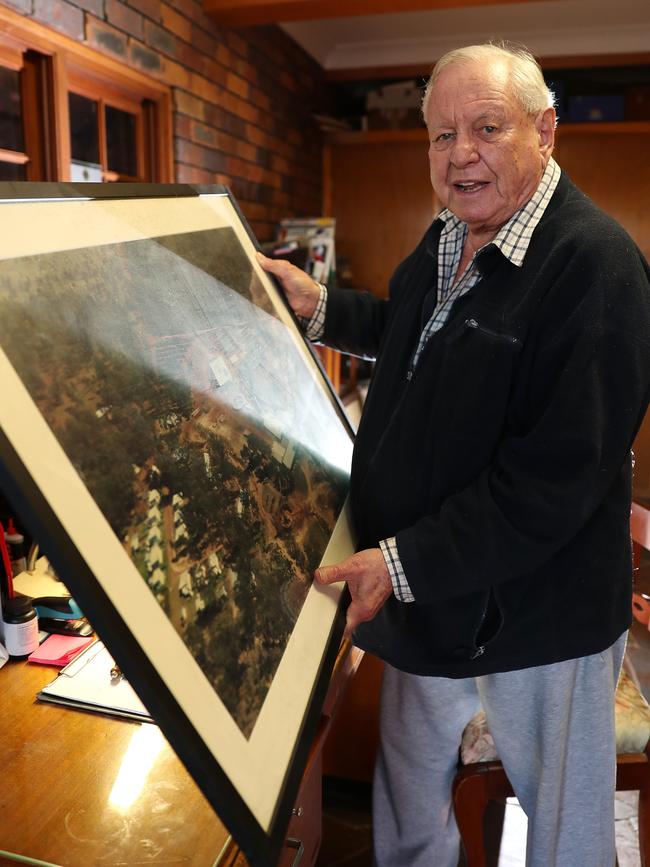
{"points": [[512, 240]]}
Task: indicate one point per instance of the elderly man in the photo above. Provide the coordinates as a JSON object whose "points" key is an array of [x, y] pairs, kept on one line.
{"points": [[491, 475]]}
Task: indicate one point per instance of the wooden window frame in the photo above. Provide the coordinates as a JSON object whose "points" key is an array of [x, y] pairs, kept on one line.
{"points": [[71, 65], [103, 95]]}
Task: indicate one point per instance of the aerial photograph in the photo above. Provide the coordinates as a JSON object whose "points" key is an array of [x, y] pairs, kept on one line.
{"points": [[199, 426]]}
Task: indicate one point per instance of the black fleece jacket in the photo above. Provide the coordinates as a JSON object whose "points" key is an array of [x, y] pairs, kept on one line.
{"points": [[503, 465]]}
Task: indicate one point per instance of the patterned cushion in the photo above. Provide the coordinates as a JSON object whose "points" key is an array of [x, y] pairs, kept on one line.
{"points": [[632, 726]]}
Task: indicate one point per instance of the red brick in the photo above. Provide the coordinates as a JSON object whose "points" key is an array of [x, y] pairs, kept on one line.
{"points": [[176, 24], [160, 39], [279, 164], [246, 70], [202, 134], [190, 9], [260, 99], [151, 8], [203, 158], [288, 81], [213, 71], [237, 85], [193, 175], [124, 18], [203, 41], [182, 125], [263, 231], [105, 38], [295, 137], [235, 146], [245, 150], [95, 7], [257, 211], [188, 104], [255, 134], [236, 42], [190, 57], [216, 115], [22, 6], [210, 137], [223, 56], [280, 198], [205, 89], [62, 16], [143, 58], [175, 74], [240, 107]]}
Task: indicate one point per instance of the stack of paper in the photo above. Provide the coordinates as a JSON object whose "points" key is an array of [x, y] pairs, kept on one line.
{"points": [[87, 683]]}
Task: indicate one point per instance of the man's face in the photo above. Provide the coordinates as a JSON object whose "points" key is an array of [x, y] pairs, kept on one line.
{"points": [[486, 154]]}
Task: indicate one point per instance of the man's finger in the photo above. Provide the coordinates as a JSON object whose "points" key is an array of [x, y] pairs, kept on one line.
{"points": [[331, 574], [279, 267]]}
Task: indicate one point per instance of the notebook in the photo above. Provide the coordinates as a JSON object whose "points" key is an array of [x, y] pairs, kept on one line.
{"points": [[86, 683]]}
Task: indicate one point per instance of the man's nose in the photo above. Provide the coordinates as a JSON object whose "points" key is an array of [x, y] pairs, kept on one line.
{"points": [[464, 150]]}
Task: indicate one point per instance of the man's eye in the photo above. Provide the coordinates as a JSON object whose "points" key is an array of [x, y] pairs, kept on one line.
{"points": [[489, 129], [444, 136]]}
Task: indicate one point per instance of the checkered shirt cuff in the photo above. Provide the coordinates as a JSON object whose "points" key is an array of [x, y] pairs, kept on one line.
{"points": [[401, 588], [315, 326]]}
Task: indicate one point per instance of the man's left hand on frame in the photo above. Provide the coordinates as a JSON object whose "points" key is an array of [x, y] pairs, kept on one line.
{"points": [[368, 581]]}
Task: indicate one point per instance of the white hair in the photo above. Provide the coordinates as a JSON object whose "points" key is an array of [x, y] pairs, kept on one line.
{"points": [[525, 73]]}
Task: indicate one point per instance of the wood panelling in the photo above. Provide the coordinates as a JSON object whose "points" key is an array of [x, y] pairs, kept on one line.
{"points": [[379, 191], [609, 162]]}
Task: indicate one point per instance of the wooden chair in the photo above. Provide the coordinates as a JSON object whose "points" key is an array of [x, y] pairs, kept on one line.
{"points": [[482, 778]]}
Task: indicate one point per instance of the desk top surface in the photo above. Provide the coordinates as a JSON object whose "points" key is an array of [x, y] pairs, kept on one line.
{"points": [[81, 788]]}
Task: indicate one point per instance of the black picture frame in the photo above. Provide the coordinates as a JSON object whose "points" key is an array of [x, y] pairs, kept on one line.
{"points": [[79, 266]]}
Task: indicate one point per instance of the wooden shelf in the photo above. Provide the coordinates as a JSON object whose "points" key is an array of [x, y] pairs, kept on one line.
{"points": [[387, 136], [604, 128]]}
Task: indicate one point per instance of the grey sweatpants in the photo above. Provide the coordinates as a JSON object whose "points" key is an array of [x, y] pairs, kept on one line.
{"points": [[554, 729]]}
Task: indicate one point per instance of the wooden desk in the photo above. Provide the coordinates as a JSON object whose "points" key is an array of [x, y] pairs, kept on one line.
{"points": [[58, 770]]}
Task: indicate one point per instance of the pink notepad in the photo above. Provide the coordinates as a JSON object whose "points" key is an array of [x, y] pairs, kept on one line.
{"points": [[60, 649]]}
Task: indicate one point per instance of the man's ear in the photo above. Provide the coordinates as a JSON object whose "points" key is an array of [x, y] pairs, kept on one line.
{"points": [[545, 125]]}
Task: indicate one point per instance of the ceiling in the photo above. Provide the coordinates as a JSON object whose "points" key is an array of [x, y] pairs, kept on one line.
{"points": [[549, 28]]}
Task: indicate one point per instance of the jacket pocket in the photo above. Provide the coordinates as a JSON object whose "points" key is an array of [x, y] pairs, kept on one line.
{"points": [[478, 368]]}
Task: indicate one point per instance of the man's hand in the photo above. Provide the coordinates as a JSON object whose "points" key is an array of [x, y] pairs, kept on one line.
{"points": [[302, 292], [368, 582]]}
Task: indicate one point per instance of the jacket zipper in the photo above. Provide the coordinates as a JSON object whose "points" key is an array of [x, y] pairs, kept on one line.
{"points": [[474, 323], [480, 650]]}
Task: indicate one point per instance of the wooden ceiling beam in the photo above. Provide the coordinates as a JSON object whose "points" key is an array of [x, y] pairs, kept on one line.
{"points": [[243, 13]]}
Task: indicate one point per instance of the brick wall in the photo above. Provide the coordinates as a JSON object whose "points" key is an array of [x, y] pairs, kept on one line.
{"points": [[243, 99]]}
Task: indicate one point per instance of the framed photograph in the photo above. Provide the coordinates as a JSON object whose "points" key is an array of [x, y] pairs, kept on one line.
{"points": [[168, 437]]}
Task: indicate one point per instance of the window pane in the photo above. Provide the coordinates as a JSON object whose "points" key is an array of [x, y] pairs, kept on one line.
{"points": [[84, 138], [13, 172], [11, 114], [120, 141]]}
